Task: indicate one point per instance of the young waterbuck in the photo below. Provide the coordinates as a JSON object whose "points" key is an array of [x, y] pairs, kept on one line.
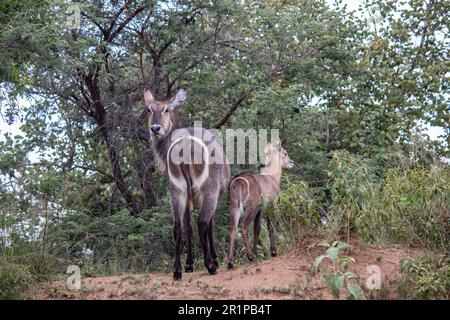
{"points": [[195, 182], [249, 193]]}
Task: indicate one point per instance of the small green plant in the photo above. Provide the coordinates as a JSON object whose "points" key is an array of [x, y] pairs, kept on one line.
{"points": [[339, 274], [14, 279], [295, 214], [427, 278]]}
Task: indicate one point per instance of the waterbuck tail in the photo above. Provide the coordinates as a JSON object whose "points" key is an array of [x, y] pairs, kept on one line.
{"points": [[239, 192]]}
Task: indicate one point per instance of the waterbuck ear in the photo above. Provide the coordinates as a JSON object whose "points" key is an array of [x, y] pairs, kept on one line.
{"points": [[149, 99], [178, 99]]}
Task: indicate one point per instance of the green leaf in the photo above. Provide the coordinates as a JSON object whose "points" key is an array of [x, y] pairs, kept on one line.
{"points": [[317, 262], [356, 291], [332, 253], [342, 245], [332, 284], [339, 282], [405, 264]]}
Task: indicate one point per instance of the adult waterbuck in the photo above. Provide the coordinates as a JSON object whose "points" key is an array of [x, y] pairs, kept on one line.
{"points": [[195, 180], [249, 193]]}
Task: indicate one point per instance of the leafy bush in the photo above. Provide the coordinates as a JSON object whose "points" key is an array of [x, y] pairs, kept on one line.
{"points": [[351, 186], [14, 279], [416, 206], [410, 205], [428, 278], [113, 243], [296, 212]]}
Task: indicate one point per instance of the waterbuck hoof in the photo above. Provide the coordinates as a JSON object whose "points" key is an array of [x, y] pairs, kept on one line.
{"points": [[177, 275], [212, 269], [273, 253], [250, 258], [189, 269], [230, 265]]}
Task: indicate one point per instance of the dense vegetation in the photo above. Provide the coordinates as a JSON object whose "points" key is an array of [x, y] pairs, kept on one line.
{"points": [[349, 91]]}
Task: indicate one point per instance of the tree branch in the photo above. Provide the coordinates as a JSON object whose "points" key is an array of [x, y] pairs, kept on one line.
{"points": [[116, 16], [233, 108], [94, 170], [103, 31], [130, 17]]}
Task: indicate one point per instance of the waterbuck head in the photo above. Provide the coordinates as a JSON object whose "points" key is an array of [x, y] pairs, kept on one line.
{"points": [[277, 157], [161, 120]]}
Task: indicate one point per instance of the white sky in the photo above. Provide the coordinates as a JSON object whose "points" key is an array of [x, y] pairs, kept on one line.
{"points": [[14, 129]]}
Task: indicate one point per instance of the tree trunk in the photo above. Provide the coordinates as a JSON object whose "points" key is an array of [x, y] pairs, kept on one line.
{"points": [[143, 166], [92, 82], [118, 175]]}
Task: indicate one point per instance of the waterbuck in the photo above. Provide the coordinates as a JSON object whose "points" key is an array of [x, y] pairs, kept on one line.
{"points": [[195, 182], [249, 193]]}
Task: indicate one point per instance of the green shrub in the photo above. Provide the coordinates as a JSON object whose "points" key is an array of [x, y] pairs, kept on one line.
{"points": [[296, 212], [428, 278], [409, 205], [415, 206], [112, 244], [14, 279], [352, 185]]}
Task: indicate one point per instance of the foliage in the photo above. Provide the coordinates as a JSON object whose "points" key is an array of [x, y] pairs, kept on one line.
{"points": [[427, 278], [14, 279], [339, 273], [350, 184], [410, 205], [113, 243], [296, 213], [404, 70]]}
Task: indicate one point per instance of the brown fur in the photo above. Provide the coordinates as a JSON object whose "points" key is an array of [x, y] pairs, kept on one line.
{"points": [[248, 192], [190, 184]]}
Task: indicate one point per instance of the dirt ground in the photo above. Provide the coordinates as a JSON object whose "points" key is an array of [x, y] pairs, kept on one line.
{"points": [[287, 276]]}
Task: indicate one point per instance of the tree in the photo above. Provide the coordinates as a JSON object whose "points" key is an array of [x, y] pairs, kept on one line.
{"points": [[404, 66], [90, 81]]}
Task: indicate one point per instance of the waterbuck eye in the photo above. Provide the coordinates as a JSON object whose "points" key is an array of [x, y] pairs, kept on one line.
{"points": [[166, 110]]}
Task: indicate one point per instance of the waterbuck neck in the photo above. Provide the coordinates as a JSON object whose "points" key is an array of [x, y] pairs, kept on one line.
{"points": [[160, 147], [273, 170]]}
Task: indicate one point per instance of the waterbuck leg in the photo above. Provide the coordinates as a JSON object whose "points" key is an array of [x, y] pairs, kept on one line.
{"points": [[256, 230], [178, 209], [188, 229], [211, 242], [177, 233], [271, 226], [233, 232], [245, 224], [206, 214]]}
